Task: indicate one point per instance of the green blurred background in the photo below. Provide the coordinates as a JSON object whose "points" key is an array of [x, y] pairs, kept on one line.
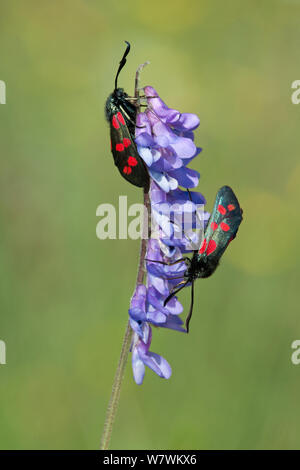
{"points": [[65, 294]]}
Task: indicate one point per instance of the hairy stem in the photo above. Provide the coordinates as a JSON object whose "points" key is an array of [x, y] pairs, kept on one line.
{"points": [[116, 388]]}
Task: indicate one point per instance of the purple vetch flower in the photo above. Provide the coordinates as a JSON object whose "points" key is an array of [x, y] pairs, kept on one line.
{"points": [[141, 357], [177, 216], [165, 141]]}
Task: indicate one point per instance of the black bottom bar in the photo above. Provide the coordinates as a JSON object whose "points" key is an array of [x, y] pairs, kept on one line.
{"points": [[137, 458]]}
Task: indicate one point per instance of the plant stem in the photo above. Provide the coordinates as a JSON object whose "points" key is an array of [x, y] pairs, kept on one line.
{"points": [[116, 388]]}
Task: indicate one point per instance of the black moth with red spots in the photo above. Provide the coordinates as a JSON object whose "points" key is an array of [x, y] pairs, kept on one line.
{"points": [[120, 112], [222, 227]]}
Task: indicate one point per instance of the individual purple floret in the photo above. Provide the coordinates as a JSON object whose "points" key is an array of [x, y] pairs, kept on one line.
{"points": [[165, 141], [141, 357]]}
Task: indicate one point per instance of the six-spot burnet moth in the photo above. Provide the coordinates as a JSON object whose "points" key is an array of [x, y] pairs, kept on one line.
{"points": [[222, 227], [121, 113]]}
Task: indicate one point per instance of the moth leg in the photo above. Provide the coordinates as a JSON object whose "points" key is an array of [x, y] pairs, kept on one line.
{"points": [[170, 264], [130, 120], [172, 278], [175, 291], [140, 98], [128, 117]]}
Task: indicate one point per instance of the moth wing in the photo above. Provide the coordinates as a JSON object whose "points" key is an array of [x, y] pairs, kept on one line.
{"points": [[125, 154], [223, 224]]}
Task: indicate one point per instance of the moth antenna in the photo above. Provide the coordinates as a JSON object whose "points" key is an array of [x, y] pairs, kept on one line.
{"points": [[187, 321], [122, 63]]}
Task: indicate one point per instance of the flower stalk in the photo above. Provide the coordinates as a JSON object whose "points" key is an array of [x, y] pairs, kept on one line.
{"points": [[116, 388]]}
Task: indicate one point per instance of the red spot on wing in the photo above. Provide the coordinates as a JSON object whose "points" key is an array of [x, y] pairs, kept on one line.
{"points": [[120, 118], [127, 170], [115, 122], [132, 161], [221, 209], [119, 147], [214, 225], [126, 142], [231, 207], [203, 246], [211, 247], [224, 226]]}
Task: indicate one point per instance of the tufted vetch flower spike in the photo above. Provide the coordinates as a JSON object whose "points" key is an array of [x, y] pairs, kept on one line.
{"points": [[165, 141]]}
